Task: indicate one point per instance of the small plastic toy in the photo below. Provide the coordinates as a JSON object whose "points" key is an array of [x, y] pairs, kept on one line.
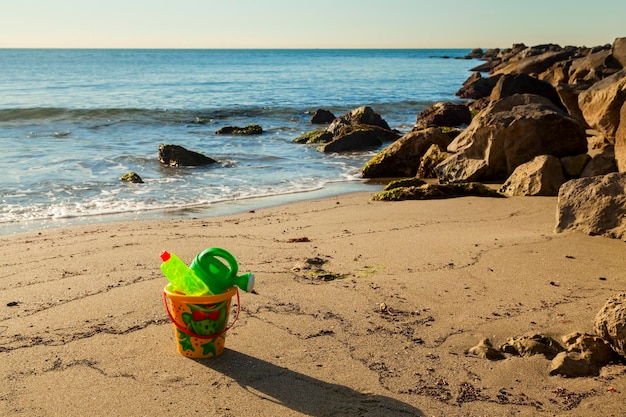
{"points": [[181, 277], [217, 275]]}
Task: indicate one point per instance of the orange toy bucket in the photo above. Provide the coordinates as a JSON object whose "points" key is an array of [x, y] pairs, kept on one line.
{"points": [[200, 323]]}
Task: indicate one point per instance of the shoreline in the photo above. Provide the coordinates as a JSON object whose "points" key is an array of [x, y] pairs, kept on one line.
{"points": [[222, 208], [382, 328]]}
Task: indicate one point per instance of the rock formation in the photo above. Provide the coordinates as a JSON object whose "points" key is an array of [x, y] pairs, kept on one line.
{"points": [[508, 133], [359, 129]]}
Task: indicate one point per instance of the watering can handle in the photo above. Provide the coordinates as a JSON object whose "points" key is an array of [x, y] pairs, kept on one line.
{"points": [[221, 253]]}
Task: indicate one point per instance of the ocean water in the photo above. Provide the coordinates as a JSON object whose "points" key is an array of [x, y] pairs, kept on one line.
{"points": [[73, 121]]}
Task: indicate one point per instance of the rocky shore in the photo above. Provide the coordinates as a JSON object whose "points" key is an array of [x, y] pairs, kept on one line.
{"points": [[533, 119]]}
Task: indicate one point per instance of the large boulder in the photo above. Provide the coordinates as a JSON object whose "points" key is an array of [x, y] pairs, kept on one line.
{"points": [[511, 84], [602, 102], [594, 205], [610, 323], [443, 114], [620, 141], [175, 155], [508, 133], [402, 157], [618, 50], [540, 177]]}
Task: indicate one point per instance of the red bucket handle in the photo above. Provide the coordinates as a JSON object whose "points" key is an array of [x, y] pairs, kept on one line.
{"points": [[199, 336]]}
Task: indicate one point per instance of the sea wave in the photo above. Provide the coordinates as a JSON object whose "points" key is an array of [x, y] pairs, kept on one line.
{"points": [[185, 116]]}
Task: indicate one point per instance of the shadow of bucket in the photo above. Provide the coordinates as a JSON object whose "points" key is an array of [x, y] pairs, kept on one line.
{"points": [[200, 323]]}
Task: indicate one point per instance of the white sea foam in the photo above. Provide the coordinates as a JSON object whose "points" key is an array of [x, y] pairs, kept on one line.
{"points": [[65, 149]]}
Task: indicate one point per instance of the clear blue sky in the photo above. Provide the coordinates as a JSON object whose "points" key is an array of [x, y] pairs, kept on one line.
{"points": [[308, 24]]}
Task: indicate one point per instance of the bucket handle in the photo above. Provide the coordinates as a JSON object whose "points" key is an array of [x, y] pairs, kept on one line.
{"points": [[199, 336]]}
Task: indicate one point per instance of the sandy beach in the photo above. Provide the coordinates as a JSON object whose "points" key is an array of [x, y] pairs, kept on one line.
{"points": [[361, 309]]}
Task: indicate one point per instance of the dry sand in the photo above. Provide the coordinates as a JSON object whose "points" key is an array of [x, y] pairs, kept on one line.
{"points": [[84, 331]]}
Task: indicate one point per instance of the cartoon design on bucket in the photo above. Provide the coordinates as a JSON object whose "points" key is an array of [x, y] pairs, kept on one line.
{"points": [[206, 320], [200, 321]]}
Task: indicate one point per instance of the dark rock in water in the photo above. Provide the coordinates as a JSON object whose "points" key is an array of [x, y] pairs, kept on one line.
{"points": [[594, 205], [132, 177], [363, 115], [402, 157], [236, 130], [443, 114], [359, 129], [393, 192], [534, 344], [314, 137], [610, 323], [358, 137], [476, 53], [175, 155], [322, 116]]}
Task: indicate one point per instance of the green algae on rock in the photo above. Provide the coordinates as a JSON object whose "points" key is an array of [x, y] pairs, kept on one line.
{"points": [[236, 130], [131, 177], [406, 191]]}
